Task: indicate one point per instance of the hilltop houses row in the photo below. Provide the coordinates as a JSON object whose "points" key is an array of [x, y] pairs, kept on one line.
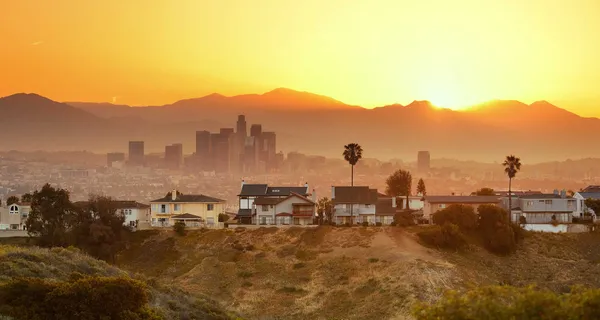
{"points": [[264, 205]]}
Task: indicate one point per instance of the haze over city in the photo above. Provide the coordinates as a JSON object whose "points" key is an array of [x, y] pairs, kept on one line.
{"points": [[227, 160]]}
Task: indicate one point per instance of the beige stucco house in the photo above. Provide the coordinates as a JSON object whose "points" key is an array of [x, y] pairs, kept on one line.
{"points": [[196, 210]]}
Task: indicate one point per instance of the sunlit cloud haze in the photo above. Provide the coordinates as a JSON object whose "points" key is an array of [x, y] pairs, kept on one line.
{"points": [[370, 53]]}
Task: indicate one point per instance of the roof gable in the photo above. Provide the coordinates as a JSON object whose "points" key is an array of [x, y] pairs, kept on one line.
{"points": [[190, 198], [253, 190], [354, 195]]}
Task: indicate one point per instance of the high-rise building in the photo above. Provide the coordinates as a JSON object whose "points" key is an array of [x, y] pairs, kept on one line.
{"points": [[174, 156], [136, 153], [220, 143], [423, 161], [114, 157], [269, 149], [202, 143], [241, 126]]}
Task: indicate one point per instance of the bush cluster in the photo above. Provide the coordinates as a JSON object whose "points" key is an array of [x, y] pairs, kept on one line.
{"points": [[179, 228], [404, 219], [490, 224], [504, 302], [80, 298]]}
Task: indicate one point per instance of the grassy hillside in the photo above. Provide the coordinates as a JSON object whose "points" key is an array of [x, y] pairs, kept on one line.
{"points": [[347, 273], [59, 264]]}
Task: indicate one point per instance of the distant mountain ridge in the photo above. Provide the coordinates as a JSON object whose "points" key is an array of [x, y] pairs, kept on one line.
{"points": [[314, 124]]}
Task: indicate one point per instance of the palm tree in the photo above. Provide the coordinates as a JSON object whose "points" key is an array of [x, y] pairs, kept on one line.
{"points": [[352, 153], [512, 165]]}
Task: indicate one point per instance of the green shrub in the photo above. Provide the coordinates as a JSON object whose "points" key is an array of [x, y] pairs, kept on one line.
{"points": [[447, 236], [461, 215], [223, 217], [504, 302], [522, 220], [88, 298], [498, 234], [404, 219], [179, 228]]}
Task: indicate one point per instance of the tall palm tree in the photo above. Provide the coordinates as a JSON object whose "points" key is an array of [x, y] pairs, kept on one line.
{"points": [[512, 165], [352, 153]]}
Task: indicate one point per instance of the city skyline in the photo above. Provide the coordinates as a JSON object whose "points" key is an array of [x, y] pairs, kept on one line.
{"points": [[367, 54]]}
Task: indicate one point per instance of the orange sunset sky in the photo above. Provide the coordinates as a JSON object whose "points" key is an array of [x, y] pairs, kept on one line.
{"points": [[370, 53]]}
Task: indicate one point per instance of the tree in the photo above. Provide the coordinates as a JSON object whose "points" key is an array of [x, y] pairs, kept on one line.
{"points": [[399, 184], [352, 153], [179, 228], [51, 216], [223, 217], [512, 165], [593, 204], [325, 210], [421, 189], [496, 229], [460, 215], [484, 192], [26, 198], [98, 228], [12, 200]]}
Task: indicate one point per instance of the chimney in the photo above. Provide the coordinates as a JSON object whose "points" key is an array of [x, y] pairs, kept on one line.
{"points": [[556, 192], [394, 202], [243, 183], [563, 193], [306, 186], [174, 195], [332, 193], [314, 195]]}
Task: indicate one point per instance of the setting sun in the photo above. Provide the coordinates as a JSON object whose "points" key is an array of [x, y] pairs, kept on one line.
{"points": [[453, 53]]}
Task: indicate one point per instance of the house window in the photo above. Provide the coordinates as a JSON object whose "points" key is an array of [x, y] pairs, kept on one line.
{"points": [[571, 204], [210, 221], [442, 206], [176, 207], [163, 208], [265, 207], [348, 207], [529, 203], [210, 207], [548, 202], [367, 206]]}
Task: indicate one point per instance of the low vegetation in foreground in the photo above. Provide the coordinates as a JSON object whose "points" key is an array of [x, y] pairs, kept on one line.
{"points": [[62, 283], [505, 302]]}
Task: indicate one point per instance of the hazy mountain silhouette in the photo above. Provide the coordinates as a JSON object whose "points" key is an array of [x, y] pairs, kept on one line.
{"points": [[320, 125]]}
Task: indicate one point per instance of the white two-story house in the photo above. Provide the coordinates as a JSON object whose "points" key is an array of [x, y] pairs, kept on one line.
{"points": [[250, 192], [15, 216], [544, 208], [356, 202], [195, 210], [135, 213], [294, 209]]}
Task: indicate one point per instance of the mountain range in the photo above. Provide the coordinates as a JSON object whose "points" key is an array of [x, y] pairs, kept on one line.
{"points": [[307, 123]]}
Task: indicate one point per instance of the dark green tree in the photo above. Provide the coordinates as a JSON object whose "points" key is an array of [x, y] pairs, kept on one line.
{"points": [[27, 198], [421, 189], [51, 217], [98, 228], [399, 184], [484, 192], [12, 200], [325, 210], [461, 215]]}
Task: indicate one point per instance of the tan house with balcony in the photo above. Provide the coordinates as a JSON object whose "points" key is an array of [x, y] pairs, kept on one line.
{"points": [[195, 210], [433, 204], [294, 209]]}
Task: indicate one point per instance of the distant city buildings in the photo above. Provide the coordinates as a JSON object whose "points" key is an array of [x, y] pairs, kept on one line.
{"points": [[174, 156], [423, 161], [114, 157], [136, 153]]}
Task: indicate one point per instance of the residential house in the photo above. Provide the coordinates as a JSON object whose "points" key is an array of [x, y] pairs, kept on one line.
{"points": [[385, 209], [582, 211], [358, 202], [434, 204], [294, 209], [9, 220], [544, 208], [195, 210], [134, 212], [250, 192], [20, 210]]}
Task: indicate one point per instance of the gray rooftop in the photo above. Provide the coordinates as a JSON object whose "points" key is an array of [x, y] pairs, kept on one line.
{"points": [[462, 199]]}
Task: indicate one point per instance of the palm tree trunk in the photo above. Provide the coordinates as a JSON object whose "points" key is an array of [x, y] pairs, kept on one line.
{"points": [[509, 200], [352, 205], [407, 205]]}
